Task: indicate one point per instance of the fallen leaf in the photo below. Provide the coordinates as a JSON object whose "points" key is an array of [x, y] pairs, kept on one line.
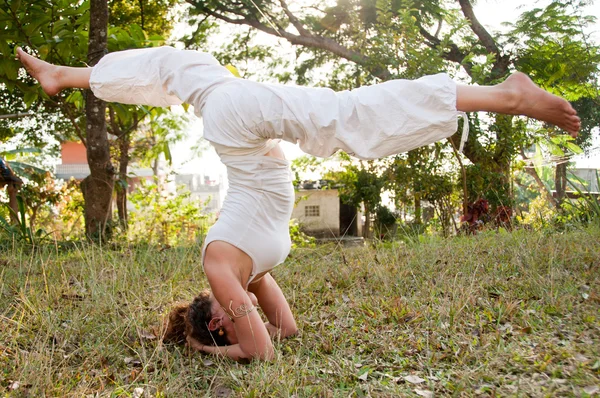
{"points": [[424, 393], [222, 392], [72, 296], [414, 379], [147, 335], [591, 390], [581, 358], [132, 361], [137, 393], [133, 375], [527, 330]]}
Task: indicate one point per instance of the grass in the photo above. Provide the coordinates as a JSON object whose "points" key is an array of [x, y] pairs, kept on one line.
{"points": [[499, 314]]}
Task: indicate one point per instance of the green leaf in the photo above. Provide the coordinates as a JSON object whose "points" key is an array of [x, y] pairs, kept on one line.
{"points": [[167, 153], [76, 98], [233, 70], [14, 5], [30, 97], [574, 148], [21, 151]]}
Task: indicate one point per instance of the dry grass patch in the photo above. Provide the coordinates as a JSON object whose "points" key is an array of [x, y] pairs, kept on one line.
{"points": [[493, 315]]}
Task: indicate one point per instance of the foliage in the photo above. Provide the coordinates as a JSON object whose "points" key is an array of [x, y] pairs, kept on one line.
{"points": [[155, 17], [385, 222], [539, 214], [360, 42], [421, 175], [304, 164], [165, 218], [20, 160], [64, 219], [39, 191], [157, 134], [298, 237], [23, 229], [359, 184], [489, 185], [586, 207]]}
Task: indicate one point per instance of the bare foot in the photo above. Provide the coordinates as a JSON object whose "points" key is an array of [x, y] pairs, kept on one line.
{"points": [[46, 74], [539, 104]]}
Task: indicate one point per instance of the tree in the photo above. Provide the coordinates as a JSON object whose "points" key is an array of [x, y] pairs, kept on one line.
{"points": [[359, 184], [154, 17], [365, 41], [59, 35], [97, 188], [419, 175]]}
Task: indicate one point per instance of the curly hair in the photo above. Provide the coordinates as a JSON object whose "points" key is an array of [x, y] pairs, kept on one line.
{"points": [[192, 319]]}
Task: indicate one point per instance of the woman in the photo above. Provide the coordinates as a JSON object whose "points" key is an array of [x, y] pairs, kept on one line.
{"points": [[244, 121]]}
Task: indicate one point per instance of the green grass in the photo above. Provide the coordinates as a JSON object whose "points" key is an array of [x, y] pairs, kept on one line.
{"points": [[509, 314]]}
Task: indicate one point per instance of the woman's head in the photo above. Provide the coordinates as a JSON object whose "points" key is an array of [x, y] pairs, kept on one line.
{"points": [[203, 319]]}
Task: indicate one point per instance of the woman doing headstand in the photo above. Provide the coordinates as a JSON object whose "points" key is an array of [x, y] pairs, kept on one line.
{"points": [[244, 121]]}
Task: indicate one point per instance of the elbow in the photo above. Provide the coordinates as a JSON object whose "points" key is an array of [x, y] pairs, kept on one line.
{"points": [[289, 332], [267, 354]]}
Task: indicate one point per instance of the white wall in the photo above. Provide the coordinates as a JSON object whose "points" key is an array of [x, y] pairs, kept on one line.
{"points": [[328, 222]]}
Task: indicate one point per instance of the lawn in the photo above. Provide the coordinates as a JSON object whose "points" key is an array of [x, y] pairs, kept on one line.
{"points": [[498, 314]]}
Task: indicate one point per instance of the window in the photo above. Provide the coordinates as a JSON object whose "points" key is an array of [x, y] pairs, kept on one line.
{"points": [[312, 211]]}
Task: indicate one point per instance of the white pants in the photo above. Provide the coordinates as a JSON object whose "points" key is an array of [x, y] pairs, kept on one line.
{"points": [[243, 120]]}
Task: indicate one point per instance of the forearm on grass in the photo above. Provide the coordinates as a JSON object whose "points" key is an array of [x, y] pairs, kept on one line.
{"points": [[234, 351]]}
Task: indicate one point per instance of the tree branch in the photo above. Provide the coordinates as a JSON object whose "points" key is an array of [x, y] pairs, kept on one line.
{"points": [[319, 42], [454, 54], [297, 24], [500, 67], [486, 39], [78, 131]]}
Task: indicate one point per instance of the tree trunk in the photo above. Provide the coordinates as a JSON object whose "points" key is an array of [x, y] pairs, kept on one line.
{"points": [[367, 226], [418, 212], [98, 186], [560, 181], [12, 189], [124, 144]]}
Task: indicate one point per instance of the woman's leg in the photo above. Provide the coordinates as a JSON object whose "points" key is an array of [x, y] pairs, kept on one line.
{"points": [[518, 95], [54, 78]]}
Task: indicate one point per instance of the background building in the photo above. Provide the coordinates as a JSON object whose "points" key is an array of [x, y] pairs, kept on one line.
{"points": [[321, 213], [204, 189]]}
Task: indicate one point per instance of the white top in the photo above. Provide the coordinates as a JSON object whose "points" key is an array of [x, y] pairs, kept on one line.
{"points": [[244, 120]]}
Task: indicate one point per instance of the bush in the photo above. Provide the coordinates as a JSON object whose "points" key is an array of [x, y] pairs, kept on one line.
{"points": [[299, 238], [166, 218]]}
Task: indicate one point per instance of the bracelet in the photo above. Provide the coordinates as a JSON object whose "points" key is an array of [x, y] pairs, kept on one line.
{"points": [[239, 312]]}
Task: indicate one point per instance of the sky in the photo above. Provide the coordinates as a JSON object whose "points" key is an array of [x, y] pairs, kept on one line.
{"points": [[491, 13]]}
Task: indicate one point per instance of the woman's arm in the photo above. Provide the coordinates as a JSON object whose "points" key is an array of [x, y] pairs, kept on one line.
{"points": [[234, 352], [275, 306], [226, 267]]}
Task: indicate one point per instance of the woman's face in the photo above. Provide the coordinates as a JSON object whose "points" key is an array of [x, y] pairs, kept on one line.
{"points": [[225, 322]]}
